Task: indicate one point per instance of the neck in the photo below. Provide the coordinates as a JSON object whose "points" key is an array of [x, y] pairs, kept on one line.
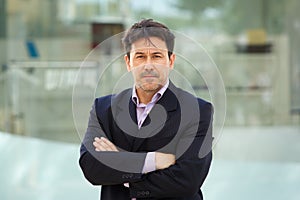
{"points": [[145, 96]]}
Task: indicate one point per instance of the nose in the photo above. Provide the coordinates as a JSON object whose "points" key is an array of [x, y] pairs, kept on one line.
{"points": [[148, 66]]}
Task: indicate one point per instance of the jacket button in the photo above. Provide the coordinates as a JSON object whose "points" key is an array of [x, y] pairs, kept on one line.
{"points": [[126, 176], [143, 193]]}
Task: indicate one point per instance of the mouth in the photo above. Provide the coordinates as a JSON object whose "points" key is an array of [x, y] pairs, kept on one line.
{"points": [[149, 76]]}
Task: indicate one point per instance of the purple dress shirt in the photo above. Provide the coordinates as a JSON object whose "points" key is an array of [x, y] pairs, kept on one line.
{"points": [[142, 111]]}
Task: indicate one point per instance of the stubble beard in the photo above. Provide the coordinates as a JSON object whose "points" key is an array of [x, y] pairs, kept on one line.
{"points": [[150, 87]]}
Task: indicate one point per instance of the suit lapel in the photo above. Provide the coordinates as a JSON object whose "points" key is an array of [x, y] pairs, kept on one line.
{"points": [[124, 115], [159, 115]]}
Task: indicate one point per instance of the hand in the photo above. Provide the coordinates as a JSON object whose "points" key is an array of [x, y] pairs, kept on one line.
{"points": [[164, 160], [103, 144]]}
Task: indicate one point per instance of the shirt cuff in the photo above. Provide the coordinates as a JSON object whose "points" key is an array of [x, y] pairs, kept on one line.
{"points": [[149, 165]]}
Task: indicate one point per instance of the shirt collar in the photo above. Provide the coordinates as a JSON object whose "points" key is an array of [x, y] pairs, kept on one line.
{"points": [[155, 97]]}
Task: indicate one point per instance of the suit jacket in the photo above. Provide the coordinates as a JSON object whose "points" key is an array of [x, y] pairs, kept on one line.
{"points": [[179, 123]]}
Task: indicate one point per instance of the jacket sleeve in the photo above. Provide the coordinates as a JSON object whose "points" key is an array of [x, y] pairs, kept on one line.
{"points": [[185, 177], [102, 168]]}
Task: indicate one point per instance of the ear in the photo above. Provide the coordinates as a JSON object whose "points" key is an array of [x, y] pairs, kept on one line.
{"points": [[172, 60], [127, 62]]}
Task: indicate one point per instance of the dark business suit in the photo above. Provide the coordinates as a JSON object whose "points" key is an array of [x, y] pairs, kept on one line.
{"points": [[179, 123]]}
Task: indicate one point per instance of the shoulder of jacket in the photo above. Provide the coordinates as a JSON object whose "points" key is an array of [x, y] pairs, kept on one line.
{"points": [[106, 101]]}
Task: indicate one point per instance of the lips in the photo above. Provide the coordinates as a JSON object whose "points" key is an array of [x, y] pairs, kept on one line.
{"points": [[149, 75]]}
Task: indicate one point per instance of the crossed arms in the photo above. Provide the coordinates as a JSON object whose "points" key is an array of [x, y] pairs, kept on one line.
{"points": [[162, 160], [100, 161]]}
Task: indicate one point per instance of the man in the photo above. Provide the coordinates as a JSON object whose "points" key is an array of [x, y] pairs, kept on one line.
{"points": [[152, 141]]}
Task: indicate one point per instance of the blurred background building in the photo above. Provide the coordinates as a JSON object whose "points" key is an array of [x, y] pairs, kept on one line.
{"points": [[43, 43]]}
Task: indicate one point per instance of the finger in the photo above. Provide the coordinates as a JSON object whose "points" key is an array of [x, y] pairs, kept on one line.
{"points": [[109, 144], [100, 142], [103, 144], [100, 148], [97, 149], [97, 146], [97, 139], [96, 142], [100, 145]]}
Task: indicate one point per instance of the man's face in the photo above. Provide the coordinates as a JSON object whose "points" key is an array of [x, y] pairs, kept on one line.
{"points": [[149, 63]]}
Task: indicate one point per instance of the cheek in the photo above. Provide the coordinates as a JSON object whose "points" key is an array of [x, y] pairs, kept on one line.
{"points": [[164, 71], [136, 63], [135, 73]]}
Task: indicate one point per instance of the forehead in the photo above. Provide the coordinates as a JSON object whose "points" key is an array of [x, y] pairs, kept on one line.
{"points": [[152, 43]]}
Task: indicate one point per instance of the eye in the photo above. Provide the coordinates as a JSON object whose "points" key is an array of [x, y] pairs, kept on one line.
{"points": [[157, 56], [139, 56]]}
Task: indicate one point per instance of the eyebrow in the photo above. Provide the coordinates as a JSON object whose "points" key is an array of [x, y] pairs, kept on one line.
{"points": [[156, 52], [139, 52]]}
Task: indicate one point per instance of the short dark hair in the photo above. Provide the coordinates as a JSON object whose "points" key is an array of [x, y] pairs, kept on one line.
{"points": [[148, 28]]}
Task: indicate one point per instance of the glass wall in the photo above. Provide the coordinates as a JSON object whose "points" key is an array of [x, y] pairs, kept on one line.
{"points": [[53, 31], [254, 44], [293, 27]]}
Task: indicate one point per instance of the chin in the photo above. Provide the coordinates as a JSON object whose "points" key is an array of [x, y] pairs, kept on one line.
{"points": [[151, 87]]}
